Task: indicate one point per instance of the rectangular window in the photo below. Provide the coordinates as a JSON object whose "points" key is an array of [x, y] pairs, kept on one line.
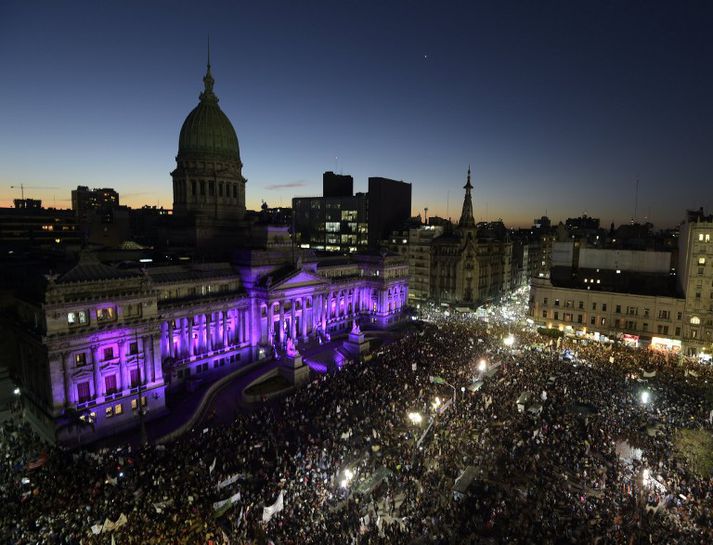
{"points": [[593, 320], [617, 323], [77, 318], [678, 332], [133, 348], [544, 314], [604, 321], [579, 318], [202, 188], [109, 353], [235, 191], [134, 377], [544, 301], [193, 188], [118, 409], [106, 314], [109, 412], [679, 315], [581, 305], [557, 302], [557, 314], [604, 307], [594, 306], [80, 359], [220, 189], [618, 309], [83, 392], [110, 384], [211, 188], [700, 237]]}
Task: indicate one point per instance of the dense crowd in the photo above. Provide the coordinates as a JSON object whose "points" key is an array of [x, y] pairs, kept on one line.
{"points": [[353, 468]]}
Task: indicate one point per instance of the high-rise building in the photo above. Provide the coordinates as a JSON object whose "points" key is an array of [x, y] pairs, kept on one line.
{"points": [[337, 185], [86, 201], [389, 208], [695, 277]]}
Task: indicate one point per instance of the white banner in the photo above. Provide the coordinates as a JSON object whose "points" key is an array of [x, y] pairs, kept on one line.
{"points": [[276, 507], [230, 480], [217, 506]]}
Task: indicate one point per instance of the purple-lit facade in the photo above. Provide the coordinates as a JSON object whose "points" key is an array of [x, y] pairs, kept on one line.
{"points": [[97, 338]]}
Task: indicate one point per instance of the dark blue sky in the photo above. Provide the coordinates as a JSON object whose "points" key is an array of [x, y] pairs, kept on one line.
{"points": [[558, 106]]}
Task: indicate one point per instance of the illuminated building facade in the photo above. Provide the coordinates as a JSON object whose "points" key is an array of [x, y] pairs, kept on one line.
{"points": [[100, 342]]}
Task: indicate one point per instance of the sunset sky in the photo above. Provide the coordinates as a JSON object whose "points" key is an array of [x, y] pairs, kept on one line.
{"points": [[558, 106]]}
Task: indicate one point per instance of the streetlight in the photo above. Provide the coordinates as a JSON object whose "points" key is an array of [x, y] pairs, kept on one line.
{"points": [[436, 403], [509, 340], [16, 391], [415, 418], [645, 397], [482, 366]]}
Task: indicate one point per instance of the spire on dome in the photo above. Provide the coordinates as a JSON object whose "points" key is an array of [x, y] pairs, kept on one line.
{"points": [[208, 95], [467, 221]]}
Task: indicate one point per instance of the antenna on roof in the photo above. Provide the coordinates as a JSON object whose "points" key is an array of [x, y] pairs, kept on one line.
{"points": [[636, 200]]}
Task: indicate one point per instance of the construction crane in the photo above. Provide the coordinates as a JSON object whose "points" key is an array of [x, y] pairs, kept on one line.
{"points": [[23, 186]]}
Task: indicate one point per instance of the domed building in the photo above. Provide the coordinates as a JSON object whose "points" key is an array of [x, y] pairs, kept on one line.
{"points": [[208, 184]]}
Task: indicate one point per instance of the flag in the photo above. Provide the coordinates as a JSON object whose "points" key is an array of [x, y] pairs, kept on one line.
{"points": [[276, 507], [437, 380]]}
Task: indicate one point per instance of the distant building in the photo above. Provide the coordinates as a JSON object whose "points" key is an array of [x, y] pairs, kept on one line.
{"points": [[85, 201], [30, 226], [389, 208], [332, 224], [465, 269], [337, 185], [695, 280], [635, 296], [33, 204]]}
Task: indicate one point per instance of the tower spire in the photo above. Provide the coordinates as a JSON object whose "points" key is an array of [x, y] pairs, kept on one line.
{"points": [[467, 221], [208, 95]]}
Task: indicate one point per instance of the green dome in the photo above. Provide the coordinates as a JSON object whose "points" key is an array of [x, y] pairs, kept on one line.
{"points": [[207, 130]]}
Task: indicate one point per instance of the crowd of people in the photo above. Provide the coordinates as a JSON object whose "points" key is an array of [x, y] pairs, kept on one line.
{"points": [[346, 460]]}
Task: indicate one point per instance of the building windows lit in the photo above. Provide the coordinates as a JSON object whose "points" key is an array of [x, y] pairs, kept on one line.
{"points": [[80, 317], [107, 314], [80, 359]]}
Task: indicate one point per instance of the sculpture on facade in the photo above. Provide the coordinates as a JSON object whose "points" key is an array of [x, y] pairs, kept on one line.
{"points": [[356, 330], [291, 350]]}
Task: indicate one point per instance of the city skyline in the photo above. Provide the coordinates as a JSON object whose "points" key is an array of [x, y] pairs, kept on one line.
{"points": [[550, 118]]}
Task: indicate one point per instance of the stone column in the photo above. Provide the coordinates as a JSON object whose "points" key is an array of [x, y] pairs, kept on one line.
{"points": [[65, 378], [144, 354], [270, 322], [191, 339], [225, 329], [282, 323], [98, 389], [187, 340], [324, 301], [210, 327], [293, 329], [122, 366], [171, 345], [303, 320], [164, 340]]}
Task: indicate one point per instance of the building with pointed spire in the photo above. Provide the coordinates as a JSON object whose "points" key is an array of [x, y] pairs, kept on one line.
{"points": [[467, 268]]}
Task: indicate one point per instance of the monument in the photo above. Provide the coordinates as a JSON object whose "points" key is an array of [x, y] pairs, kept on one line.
{"points": [[356, 343], [292, 368]]}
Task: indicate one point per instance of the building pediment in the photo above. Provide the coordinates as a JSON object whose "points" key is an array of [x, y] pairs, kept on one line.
{"points": [[296, 279]]}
